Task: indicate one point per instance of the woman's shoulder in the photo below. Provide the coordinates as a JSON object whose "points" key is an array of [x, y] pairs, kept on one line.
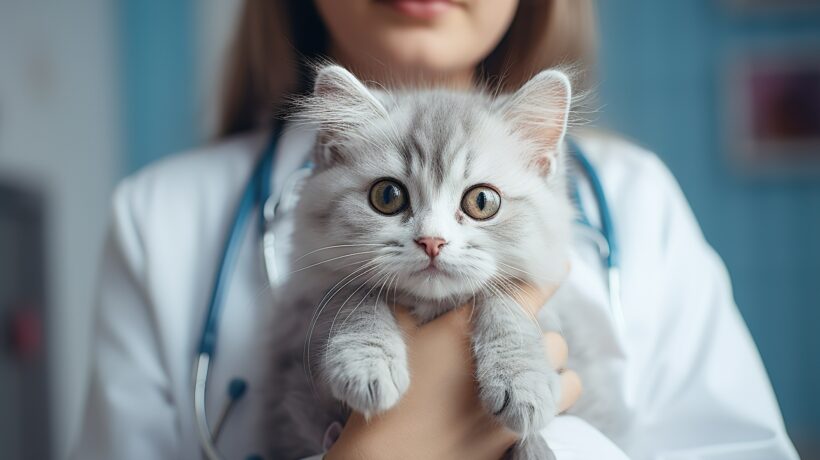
{"points": [[642, 194], [184, 197], [620, 159], [631, 174], [216, 166], [183, 180]]}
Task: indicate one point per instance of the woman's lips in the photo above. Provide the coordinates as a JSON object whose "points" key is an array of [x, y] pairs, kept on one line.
{"points": [[420, 9]]}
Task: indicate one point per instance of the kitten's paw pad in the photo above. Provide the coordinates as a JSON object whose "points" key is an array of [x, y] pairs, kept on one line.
{"points": [[524, 404], [370, 386]]}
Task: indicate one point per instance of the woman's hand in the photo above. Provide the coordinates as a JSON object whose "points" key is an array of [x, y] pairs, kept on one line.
{"points": [[556, 347], [440, 416]]}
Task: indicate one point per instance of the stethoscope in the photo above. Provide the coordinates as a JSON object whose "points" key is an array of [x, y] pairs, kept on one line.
{"points": [[258, 190]]}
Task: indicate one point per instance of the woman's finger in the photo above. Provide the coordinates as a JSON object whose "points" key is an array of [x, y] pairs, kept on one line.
{"points": [[557, 350], [405, 319], [571, 389]]}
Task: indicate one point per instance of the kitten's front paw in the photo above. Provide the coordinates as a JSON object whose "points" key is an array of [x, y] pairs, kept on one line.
{"points": [[524, 402], [369, 385]]}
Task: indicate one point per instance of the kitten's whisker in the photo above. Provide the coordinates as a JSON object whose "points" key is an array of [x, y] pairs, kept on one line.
{"points": [[474, 287], [317, 313], [530, 275], [379, 272], [355, 262], [331, 260], [312, 324], [511, 307], [385, 280], [372, 263], [365, 268], [321, 309], [384, 276], [331, 292], [342, 306], [513, 289], [336, 246], [516, 282], [504, 302], [510, 289], [358, 272], [395, 290]]}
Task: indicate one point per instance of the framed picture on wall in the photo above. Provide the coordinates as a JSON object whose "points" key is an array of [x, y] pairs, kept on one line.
{"points": [[773, 110]]}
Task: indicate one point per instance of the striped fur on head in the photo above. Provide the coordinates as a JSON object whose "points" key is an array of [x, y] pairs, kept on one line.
{"points": [[438, 144]]}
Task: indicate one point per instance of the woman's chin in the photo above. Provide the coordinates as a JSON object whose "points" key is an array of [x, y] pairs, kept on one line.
{"points": [[425, 52]]}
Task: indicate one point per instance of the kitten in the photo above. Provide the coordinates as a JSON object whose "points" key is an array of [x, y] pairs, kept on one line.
{"points": [[434, 198]]}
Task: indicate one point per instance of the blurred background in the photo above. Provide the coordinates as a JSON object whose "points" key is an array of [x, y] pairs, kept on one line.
{"points": [[726, 92]]}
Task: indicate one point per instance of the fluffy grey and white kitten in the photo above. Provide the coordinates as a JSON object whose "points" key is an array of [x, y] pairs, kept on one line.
{"points": [[430, 199]]}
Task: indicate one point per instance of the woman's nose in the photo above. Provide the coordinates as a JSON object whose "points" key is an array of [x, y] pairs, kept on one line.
{"points": [[431, 244]]}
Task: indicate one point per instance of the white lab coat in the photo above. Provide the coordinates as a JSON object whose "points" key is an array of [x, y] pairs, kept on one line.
{"points": [[685, 372]]}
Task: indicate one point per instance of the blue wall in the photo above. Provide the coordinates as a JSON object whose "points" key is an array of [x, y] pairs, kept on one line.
{"points": [[662, 85], [159, 78]]}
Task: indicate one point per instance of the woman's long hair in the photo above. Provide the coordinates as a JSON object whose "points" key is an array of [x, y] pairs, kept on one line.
{"points": [[276, 39]]}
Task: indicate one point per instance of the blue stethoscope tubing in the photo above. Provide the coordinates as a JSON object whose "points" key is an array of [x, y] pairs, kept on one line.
{"points": [[257, 194], [257, 191], [605, 236]]}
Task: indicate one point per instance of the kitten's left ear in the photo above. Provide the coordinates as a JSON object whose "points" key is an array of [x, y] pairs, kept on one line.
{"points": [[342, 91], [539, 112], [341, 104]]}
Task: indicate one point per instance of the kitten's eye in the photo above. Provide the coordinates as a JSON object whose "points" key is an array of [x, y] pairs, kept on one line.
{"points": [[481, 202], [388, 197]]}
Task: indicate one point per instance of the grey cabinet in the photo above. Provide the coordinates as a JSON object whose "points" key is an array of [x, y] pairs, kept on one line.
{"points": [[25, 428]]}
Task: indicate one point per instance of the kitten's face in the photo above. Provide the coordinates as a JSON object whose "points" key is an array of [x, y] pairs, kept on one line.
{"points": [[438, 197]]}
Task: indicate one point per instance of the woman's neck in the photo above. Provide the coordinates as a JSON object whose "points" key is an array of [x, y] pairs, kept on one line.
{"points": [[391, 76]]}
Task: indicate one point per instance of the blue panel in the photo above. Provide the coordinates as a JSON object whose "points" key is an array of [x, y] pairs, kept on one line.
{"points": [[158, 79], [662, 85]]}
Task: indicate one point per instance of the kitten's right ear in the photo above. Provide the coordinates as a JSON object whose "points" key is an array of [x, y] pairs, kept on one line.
{"points": [[340, 104], [539, 111]]}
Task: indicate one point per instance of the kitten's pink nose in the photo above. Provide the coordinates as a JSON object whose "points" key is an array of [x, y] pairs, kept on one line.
{"points": [[431, 245]]}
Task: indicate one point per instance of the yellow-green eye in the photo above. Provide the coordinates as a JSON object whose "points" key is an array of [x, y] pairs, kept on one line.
{"points": [[481, 202], [388, 197]]}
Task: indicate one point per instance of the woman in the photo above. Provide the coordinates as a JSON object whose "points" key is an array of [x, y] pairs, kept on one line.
{"points": [[686, 381]]}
